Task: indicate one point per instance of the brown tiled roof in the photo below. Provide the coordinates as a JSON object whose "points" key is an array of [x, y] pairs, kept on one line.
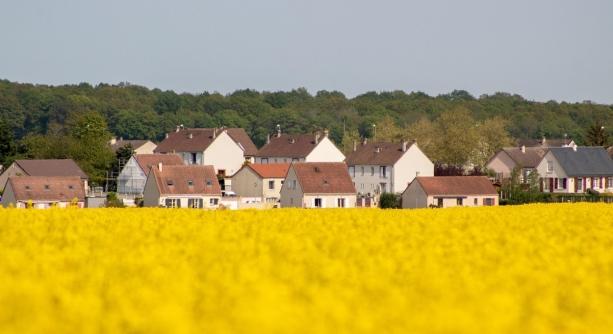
{"points": [[135, 143], [175, 180], [291, 146], [553, 142], [47, 188], [179, 141], [146, 161], [51, 167], [528, 159], [324, 177], [270, 170], [456, 185], [376, 154]]}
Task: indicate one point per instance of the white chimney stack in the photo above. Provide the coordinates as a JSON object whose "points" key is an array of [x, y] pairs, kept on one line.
{"points": [[326, 132], [160, 166], [190, 135], [523, 149], [278, 130], [214, 133], [113, 140], [268, 138], [316, 137], [177, 129], [355, 146], [166, 135], [404, 146]]}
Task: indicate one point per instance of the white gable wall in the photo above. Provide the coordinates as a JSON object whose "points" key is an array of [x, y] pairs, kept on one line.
{"points": [[412, 163], [325, 151], [224, 153]]}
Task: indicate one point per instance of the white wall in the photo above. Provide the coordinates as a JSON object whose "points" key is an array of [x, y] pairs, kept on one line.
{"points": [[325, 151], [330, 200], [501, 163], [407, 167], [224, 153], [147, 148]]}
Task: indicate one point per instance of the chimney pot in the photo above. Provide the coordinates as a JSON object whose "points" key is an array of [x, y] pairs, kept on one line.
{"points": [[268, 138], [160, 166], [190, 135], [178, 128], [278, 130], [166, 135], [326, 132], [214, 133], [404, 146], [355, 146], [113, 140], [316, 137], [523, 149]]}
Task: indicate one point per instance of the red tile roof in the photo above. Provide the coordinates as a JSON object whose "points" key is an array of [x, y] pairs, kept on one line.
{"points": [[456, 185], [187, 180], [180, 141], [135, 143], [291, 146], [323, 177], [146, 161], [376, 154], [51, 167], [47, 188], [270, 170]]}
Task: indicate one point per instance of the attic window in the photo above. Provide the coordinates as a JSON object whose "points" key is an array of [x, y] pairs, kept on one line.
{"points": [[209, 183], [317, 170], [292, 140], [27, 187], [70, 186], [325, 182], [46, 187], [170, 182], [190, 183]]}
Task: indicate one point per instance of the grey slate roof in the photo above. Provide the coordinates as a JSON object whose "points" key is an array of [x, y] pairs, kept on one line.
{"points": [[585, 161]]}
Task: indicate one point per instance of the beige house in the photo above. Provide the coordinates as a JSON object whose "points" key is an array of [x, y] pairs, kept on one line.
{"points": [[42, 192], [44, 167], [576, 170], [260, 183], [318, 185], [194, 186], [226, 149], [525, 159], [140, 146], [381, 167], [286, 148], [449, 191]]}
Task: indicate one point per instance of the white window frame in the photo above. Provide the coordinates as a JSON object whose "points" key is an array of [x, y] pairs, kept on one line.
{"points": [[549, 166]]}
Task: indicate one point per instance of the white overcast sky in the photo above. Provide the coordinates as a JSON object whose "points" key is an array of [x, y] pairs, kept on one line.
{"points": [[543, 50]]}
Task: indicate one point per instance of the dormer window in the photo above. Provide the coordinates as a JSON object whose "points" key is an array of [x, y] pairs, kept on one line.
{"points": [[170, 182], [27, 187], [190, 183], [46, 187], [209, 183], [70, 186]]}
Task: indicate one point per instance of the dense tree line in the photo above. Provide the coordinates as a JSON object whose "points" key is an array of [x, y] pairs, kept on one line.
{"points": [[454, 128]]}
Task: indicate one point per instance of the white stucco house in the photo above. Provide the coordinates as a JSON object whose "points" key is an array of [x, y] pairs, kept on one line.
{"points": [[318, 185], [381, 167], [287, 148]]}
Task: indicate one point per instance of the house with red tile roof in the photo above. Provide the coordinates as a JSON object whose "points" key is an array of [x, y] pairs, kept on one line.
{"points": [[131, 179], [381, 167], [226, 149], [449, 191], [42, 192], [44, 167], [287, 148], [260, 183], [318, 185], [180, 186]]}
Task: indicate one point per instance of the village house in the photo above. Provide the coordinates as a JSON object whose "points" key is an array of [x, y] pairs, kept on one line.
{"points": [[42, 192], [381, 167], [132, 178], [140, 146], [524, 159], [260, 183], [193, 186], [226, 149], [545, 143], [44, 167], [287, 148], [575, 170], [449, 191], [318, 185]]}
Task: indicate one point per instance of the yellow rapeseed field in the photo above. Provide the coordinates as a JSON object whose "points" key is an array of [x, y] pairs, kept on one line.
{"points": [[525, 269]]}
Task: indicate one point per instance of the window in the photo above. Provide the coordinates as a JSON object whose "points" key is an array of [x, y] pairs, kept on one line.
{"points": [[293, 184], [340, 202], [549, 166], [193, 158], [362, 171], [173, 203], [318, 202], [361, 185], [209, 183], [352, 171], [46, 187], [194, 203], [596, 182], [459, 201], [190, 183], [475, 202], [489, 201], [610, 182], [214, 201], [271, 184], [561, 184], [70, 187], [579, 184], [439, 202], [372, 171], [383, 187], [170, 182], [383, 171], [264, 160]]}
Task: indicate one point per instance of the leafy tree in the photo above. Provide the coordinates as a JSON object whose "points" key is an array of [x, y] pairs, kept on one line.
{"points": [[457, 138], [389, 201], [596, 135], [8, 147]]}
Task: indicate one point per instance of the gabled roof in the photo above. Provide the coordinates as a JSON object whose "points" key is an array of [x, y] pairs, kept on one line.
{"points": [[47, 188], [51, 167], [180, 141], [456, 185], [268, 171], [545, 142], [175, 180], [146, 161], [529, 158], [291, 146], [585, 161], [376, 154], [323, 177], [135, 143]]}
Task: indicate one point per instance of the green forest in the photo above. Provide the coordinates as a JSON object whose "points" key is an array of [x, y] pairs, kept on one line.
{"points": [[41, 121]]}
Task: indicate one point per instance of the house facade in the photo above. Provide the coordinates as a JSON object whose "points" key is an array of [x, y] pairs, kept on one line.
{"points": [[381, 167], [576, 170], [43, 192], [524, 159], [181, 186], [226, 149], [44, 167], [286, 148], [260, 183], [132, 178], [449, 191], [140, 146], [318, 185]]}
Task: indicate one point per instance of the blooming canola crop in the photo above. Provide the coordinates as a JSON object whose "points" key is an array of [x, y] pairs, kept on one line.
{"points": [[523, 269]]}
